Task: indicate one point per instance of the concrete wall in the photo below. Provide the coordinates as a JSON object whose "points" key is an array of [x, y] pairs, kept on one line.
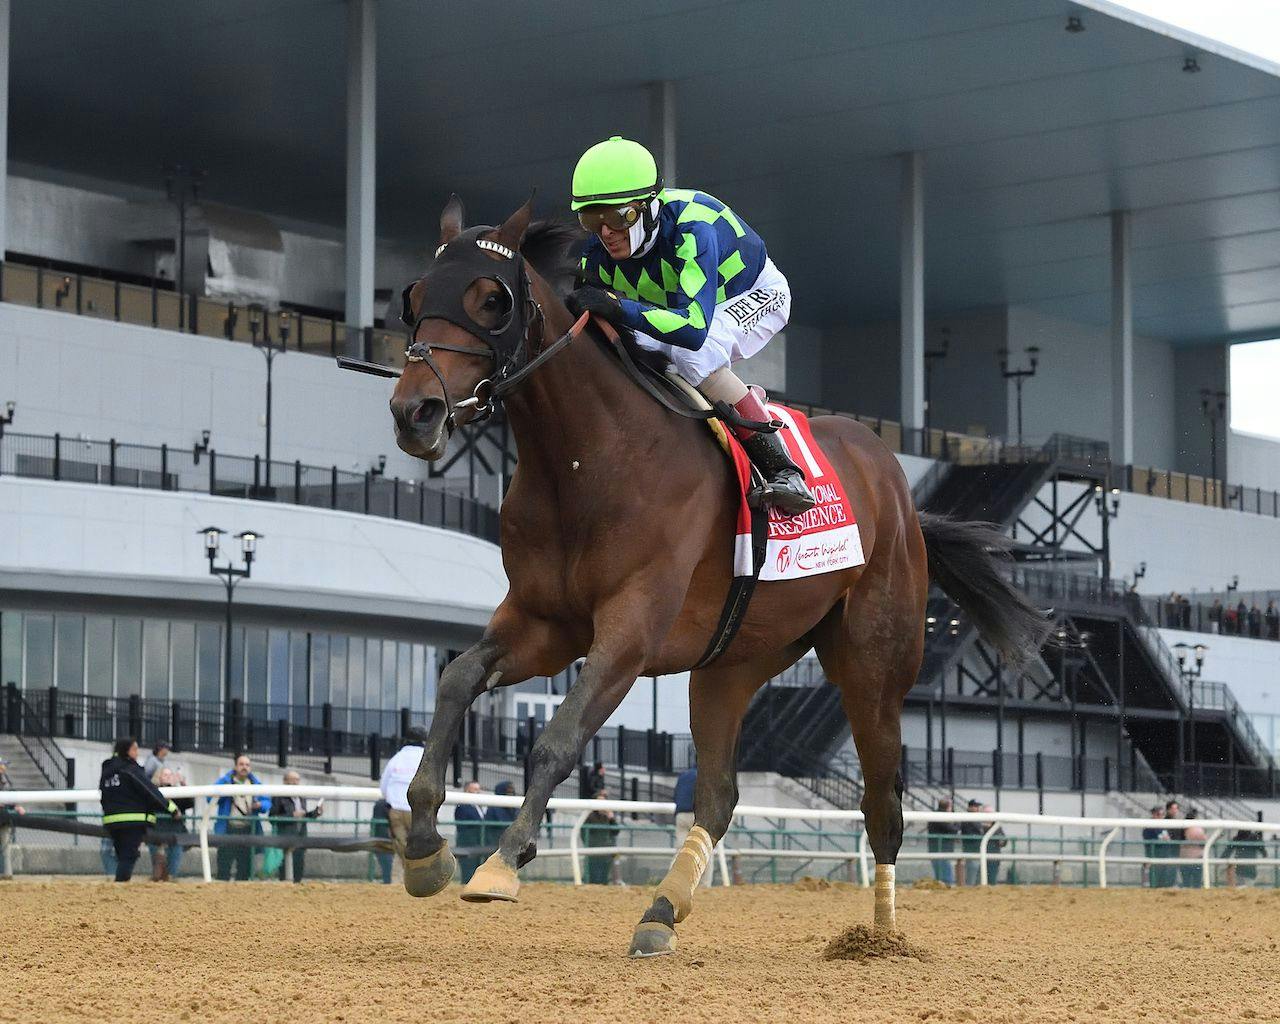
{"points": [[116, 542], [1194, 369], [1254, 461], [1250, 667]]}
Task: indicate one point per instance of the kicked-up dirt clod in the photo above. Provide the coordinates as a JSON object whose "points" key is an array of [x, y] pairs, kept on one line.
{"points": [[861, 943]]}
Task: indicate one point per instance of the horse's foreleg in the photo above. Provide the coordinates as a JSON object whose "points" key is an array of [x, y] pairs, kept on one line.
{"points": [[606, 677], [428, 864], [718, 699]]}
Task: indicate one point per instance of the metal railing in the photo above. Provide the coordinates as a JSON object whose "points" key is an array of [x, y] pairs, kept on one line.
{"points": [[111, 463], [36, 736]]}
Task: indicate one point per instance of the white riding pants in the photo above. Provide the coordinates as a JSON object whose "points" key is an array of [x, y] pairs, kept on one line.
{"points": [[739, 328]]}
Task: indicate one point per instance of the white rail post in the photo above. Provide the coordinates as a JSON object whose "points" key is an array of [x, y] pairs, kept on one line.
{"points": [[982, 852], [575, 859], [204, 839], [1102, 856], [864, 869], [1206, 869], [724, 864]]}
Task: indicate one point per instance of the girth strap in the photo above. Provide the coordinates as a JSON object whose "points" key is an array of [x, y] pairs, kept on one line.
{"points": [[740, 590]]}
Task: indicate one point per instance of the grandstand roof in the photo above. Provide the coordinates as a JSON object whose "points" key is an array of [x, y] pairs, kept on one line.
{"points": [[792, 113]]}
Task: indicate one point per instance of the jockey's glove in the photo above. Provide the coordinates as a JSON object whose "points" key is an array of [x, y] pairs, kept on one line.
{"points": [[597, 301]]}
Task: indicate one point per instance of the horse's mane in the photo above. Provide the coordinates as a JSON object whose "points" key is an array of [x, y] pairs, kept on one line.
{"points": [[552, 248]]}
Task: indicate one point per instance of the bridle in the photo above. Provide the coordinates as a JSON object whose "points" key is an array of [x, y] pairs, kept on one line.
{"points": [[509, 348]]}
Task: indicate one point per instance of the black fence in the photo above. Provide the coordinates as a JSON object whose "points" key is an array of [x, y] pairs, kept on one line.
{"points": [[55, 457]]}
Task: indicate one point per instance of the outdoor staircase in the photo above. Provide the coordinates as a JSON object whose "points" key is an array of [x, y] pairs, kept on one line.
{"points": [[23, 771]]}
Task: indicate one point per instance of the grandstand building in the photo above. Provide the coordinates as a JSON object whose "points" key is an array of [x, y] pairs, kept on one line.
{"points": [[203, 198]]}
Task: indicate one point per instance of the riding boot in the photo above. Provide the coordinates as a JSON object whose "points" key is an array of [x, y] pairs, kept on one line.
{"points": [[784, 486], [157, 867]]}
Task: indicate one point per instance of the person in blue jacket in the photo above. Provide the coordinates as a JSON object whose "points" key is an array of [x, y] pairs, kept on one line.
{"points": [[239, 816]]}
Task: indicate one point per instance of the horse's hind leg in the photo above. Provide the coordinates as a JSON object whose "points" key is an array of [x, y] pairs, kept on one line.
{"points": [[871, 646], [718, 699]]}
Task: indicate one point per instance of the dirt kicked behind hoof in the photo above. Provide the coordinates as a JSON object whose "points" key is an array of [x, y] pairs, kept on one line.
{"points": [[862, 943]]}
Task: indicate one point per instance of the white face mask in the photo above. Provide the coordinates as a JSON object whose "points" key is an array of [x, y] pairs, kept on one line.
{"points": [[640, 239]]}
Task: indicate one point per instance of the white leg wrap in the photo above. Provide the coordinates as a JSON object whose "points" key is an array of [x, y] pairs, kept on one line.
{"points": [[699, 845], [885, 914]]}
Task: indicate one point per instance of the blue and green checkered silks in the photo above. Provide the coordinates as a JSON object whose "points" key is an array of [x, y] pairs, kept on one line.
{"points": [[704, 255]]}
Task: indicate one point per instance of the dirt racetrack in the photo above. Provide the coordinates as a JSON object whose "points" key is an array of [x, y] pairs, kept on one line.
{"points": [[262, 952]]}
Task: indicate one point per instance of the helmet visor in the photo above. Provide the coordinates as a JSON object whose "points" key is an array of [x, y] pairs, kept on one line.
{"points": [[619, 218]]}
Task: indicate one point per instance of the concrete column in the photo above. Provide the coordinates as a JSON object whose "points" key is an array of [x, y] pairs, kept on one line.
{"points": [[361, 175], [4, 125], [911, 291], [662, 129], [1121, 340]]}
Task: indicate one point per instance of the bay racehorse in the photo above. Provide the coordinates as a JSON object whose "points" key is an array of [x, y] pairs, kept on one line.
{"points": [[617, 534]]}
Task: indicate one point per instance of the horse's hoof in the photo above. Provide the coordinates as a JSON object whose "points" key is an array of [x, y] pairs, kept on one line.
{"points": [[426, 876], [652, 938], [492, 881]]}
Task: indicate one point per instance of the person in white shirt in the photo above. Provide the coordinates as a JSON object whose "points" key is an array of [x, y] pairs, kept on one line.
{"points": [[396, 777]]}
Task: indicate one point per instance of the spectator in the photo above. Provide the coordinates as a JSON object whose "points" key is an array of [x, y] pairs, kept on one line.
{"points": [[970, 841], [155, 759], [496, 819], [9, 815], [292, 814], [942, 840], [1255, 622], [1242, 618], [1192, 869], [1246, 846], [1152, 847], [166, 856], [1184, 611], [1229, 621], [1272, 619], [1215, 616], [394, 784], [994, 845], [469, 833], [601, 829], [595, 781], [130, 803], [238, 817], [379, 826]]}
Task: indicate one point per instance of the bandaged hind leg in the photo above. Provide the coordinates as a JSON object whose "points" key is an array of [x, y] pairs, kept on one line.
{"points": [[673, 899], [886, 915]]}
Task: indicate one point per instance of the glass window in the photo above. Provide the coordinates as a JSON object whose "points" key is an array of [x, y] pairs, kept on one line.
{"points": [[355, 672], [155, 658], [70, 663], [255, 665], [388, 676], [128, 657], [319, 669], [209, 662], [99, 655], [11, 647], [338, 673], [182, 640], [372, 673], [404, 675], [418, 672], [278, 684], [239, 664], [300, 670], [39, 651]]}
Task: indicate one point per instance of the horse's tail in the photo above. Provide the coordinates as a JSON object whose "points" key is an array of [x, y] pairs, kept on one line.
{"points": [[965, 560]]}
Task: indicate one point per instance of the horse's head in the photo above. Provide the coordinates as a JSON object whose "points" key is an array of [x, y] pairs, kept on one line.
{"points": [[468, 314]]}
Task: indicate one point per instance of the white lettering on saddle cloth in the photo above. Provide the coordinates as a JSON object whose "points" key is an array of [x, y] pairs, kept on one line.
{"points": [[824, 539]]}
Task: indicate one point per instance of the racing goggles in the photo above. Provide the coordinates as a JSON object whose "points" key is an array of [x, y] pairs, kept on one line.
{"points": [[619, 218]]}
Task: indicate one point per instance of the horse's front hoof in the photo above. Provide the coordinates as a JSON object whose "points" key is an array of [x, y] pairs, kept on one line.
{"points": [[492, 881], [652, 938], [426, 876]]}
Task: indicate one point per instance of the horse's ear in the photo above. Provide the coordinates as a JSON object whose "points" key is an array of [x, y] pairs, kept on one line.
{"points": [[451, 219], [511, 234]]}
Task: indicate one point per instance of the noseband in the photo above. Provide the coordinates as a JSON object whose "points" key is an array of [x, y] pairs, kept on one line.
{"points": [[508, 348]]}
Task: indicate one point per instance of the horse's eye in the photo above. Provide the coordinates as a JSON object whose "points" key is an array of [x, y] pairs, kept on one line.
{"points": [[492, 301]]}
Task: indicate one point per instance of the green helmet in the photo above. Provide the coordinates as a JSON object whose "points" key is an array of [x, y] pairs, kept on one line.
{"points": [[613, 172]]}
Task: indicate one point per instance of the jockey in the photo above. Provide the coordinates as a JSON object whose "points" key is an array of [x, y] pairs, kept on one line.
{"points": [[693, 282]]}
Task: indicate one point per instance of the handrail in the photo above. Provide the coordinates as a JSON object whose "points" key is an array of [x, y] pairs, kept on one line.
{"points": [[993, 818], [34, 737]]}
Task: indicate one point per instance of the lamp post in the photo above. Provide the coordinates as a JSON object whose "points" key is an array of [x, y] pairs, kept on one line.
{"points": [[258, 322], [1108, 510], [1213, 406], [7, 418], [1191, 674], [1018, 376], [182, 185], [230, 575], [931, 356]]}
